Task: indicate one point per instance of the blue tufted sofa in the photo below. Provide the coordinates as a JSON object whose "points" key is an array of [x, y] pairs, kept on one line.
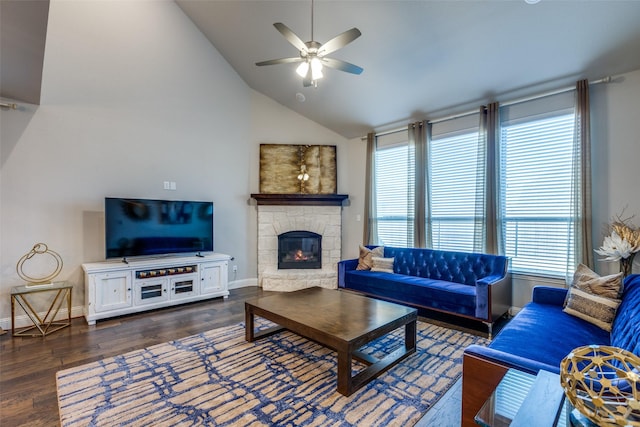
{"points": [[476, 286], [539, 337]]}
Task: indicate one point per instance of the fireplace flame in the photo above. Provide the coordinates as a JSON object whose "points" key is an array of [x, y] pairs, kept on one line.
{"points": [[300, 256]]}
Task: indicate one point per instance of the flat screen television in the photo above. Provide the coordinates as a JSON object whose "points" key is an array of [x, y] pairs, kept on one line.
{"points": [[139, 227]]}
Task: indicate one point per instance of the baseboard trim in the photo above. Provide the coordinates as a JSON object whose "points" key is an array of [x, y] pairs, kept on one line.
{"points": [[24, 320], [243, 283]]}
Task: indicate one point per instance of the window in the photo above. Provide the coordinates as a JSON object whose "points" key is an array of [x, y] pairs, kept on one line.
{"points": [[538, 228], [456, 181], [537, 218], [394, 191]]}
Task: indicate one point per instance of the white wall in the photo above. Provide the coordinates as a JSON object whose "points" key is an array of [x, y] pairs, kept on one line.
{"points": [[133, 95], [615, 142], [353, 217]]}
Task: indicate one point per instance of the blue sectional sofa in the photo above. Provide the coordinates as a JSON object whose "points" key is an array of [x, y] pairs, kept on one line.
{"points": [[475, 286], [539, 337]]}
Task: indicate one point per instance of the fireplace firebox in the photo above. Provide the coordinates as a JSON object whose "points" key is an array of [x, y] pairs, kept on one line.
{"points": [[299, 249]]}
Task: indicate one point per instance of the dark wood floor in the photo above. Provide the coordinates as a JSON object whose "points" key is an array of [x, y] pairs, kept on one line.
{"points": [[28, 365]]}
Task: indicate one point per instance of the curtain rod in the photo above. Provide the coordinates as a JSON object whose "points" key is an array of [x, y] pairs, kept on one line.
{"points": [[512, 102]]}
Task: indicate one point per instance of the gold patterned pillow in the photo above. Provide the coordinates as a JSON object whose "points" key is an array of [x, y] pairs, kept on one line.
{"points": [[365, 261], [382, 264], [605, 286], [593, 298]]}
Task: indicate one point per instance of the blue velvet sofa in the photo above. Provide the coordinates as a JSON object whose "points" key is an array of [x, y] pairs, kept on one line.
{"points": [[539, 337], [475, 286]]}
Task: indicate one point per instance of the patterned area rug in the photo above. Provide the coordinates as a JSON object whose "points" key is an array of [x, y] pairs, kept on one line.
{"points": [[216, 378]]}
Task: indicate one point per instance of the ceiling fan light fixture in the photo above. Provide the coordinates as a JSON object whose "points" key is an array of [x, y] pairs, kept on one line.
{"points": [[316, 69], [303, 69]]}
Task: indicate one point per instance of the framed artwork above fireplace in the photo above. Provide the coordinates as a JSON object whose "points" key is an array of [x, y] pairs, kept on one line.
{"points": [[298, 169]]}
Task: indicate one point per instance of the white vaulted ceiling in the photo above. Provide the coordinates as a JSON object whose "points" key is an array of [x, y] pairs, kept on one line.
{"points": [[422, 58]]}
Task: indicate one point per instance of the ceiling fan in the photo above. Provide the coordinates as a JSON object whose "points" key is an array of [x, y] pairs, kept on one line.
{"points": [[313, 54]]}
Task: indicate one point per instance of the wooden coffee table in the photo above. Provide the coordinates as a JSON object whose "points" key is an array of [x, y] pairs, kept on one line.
{"points": [[341, 321]]}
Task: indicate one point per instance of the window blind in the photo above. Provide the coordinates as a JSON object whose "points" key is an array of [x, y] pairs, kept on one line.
{"points": [[394, 195], [536, 176], [456, 167]]}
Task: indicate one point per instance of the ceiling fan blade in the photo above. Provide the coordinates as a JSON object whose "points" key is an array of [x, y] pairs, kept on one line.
{"points": [[290, 36], [279, 61], [338, 64], [339, 41]]}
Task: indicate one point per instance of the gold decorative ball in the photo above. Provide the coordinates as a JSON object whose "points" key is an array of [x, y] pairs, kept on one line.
{"points": [[603, 383]]}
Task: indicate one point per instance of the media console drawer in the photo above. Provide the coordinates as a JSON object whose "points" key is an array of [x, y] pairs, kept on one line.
{"points": [[171, 271], [114, 288]]}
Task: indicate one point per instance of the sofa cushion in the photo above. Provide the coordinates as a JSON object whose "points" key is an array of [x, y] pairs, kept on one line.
{"points": [[365, 260], [594, 298], [382, 264], [625, 332], [436, 294], [546, 334], [459, 267]]}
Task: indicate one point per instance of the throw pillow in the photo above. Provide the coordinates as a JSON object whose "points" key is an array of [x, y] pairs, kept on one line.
{"points": [[606, 286], [593, 298], [365, 261], [382, 264]]}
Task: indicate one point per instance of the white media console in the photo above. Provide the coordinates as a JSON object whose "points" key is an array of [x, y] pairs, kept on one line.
{"points": [[114, 288]]}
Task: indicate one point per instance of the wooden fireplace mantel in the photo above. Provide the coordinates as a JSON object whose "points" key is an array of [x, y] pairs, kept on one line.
{"points": [[300, 199]]}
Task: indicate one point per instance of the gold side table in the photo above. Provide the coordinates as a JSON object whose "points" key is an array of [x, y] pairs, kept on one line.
{"points": [[46, 325]]}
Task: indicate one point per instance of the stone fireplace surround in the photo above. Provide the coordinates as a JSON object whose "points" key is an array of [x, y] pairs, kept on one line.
{"points": [[321, 214]]}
